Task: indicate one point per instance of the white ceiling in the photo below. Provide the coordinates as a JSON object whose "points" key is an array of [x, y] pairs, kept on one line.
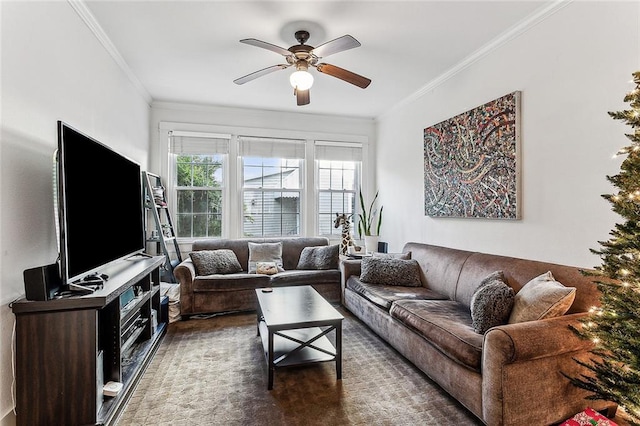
{"points": [[189, 51]]}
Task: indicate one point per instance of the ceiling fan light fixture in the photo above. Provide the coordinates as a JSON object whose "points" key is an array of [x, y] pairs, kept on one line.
{"points": [[301, 80]]}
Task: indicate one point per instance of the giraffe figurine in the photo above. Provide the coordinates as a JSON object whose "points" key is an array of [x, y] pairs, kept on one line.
{"points": [[346, 239]]}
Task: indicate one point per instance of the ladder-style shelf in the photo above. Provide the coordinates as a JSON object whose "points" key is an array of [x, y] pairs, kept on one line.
{"points": [[162, 231]]}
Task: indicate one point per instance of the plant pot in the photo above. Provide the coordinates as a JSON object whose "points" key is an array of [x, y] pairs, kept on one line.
{"points": [[371, 243]]}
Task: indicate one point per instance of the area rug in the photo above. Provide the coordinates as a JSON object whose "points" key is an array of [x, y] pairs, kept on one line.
{"points": [[213, 372]]}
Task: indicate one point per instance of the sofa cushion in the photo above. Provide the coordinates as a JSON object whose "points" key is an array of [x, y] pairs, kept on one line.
{"points": [[542, 297], [385, 295], [230, 282], [446, 324], [305, 277], [323, 257], [491, 303], [210, 262], [264, 252], [390, 271]]}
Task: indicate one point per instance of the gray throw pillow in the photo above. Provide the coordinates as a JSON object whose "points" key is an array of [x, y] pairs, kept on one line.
{"points": [[390, 271], [497, 275], [211, 262], [404, 256], [491, 303], [321, 257], [265, 252]]}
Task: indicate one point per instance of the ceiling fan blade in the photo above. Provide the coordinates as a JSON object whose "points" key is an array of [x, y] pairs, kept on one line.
{"points": [[260, 73], [302, 97], [339, 44], [265, 45], [342, 74]]}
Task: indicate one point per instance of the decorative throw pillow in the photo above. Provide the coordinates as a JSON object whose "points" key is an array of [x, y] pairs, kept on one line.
{"points": [[497, 275], [321, 257], [542, 297], [491, 303], [210, 262], [266, 268], [265, 252], [390, 271], [403, 256]]}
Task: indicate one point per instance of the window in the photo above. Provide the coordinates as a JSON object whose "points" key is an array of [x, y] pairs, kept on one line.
{"points": [[336, 193], [272, 186], [338, 182], [234, 182], [199, 185]]}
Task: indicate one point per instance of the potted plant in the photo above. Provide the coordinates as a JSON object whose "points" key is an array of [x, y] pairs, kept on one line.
{"points": [[367, 219]]}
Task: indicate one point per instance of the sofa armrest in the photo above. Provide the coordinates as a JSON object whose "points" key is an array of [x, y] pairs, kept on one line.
{"points": [[185, 273], [527, 362], [350, 267], [524, 341]]}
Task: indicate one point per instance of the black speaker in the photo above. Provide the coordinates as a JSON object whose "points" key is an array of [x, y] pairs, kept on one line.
{"points": [[382, 247], [42, 283]]}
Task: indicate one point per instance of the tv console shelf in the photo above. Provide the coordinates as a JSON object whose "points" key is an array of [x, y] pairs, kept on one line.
{"points": [[67, 349]]}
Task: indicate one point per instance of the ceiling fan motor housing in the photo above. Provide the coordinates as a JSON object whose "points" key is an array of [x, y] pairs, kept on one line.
{"points": [[302, 36]]}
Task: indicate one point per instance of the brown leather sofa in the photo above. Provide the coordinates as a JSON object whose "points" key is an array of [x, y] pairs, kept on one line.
{"points": [[236, 291], [511, 375]]}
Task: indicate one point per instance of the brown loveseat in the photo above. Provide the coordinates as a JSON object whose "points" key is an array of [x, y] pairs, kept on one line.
{"points": [[236, 291], [511, 375]]}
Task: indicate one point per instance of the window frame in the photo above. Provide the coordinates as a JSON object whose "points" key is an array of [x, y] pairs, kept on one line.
{"points": [[161, 164], [355, 192], [171, 190], [176, 188], [243, 190]]}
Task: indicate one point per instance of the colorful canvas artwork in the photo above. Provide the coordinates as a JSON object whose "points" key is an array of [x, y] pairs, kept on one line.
{"points": [[471, 166]]}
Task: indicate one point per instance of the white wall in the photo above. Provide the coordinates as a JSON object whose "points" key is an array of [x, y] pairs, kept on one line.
{"points": [[53, 68], [572, 68], [238, 118]]}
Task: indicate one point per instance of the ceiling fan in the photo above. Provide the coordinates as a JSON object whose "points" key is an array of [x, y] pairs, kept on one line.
{"points": [[303, 56]]}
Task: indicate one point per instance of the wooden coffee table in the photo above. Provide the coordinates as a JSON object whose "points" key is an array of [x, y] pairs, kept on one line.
{"points": [[293, 323]]}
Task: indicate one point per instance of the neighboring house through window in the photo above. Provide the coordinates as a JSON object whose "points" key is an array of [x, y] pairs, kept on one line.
{"points": [[272, 186]]}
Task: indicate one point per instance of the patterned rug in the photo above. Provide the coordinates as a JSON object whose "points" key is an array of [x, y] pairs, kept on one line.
{"points": [[213, 372]]}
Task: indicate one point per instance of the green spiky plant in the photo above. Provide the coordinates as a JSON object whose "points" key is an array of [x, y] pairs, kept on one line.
{"points": [[368, 217], [614, 326]]}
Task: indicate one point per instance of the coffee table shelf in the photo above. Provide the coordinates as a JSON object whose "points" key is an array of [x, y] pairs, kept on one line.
{"points": [[283, 355]]}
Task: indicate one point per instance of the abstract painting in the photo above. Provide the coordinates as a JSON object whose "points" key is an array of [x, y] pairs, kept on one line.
{"points": [[471, 165]]}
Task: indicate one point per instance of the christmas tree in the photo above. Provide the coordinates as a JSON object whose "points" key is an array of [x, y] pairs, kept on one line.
{"points": [[614, 326]]}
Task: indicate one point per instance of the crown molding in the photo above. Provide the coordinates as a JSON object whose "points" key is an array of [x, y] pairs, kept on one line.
{"points": [[515, 31], [253, 112], [80, 7]]}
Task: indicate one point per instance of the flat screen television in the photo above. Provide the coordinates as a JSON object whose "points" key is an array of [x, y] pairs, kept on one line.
{"points": [[99, 205]]}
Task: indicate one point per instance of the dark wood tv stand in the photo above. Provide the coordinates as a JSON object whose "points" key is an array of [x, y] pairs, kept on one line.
{"points": [[67, 349]]}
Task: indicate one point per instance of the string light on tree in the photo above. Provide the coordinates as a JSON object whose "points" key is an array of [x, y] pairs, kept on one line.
{"points": [[614, 326]]}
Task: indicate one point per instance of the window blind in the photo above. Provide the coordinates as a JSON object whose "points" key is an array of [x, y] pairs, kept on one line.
{"points": [[338, 151], [271, 147], [189, 145]]}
